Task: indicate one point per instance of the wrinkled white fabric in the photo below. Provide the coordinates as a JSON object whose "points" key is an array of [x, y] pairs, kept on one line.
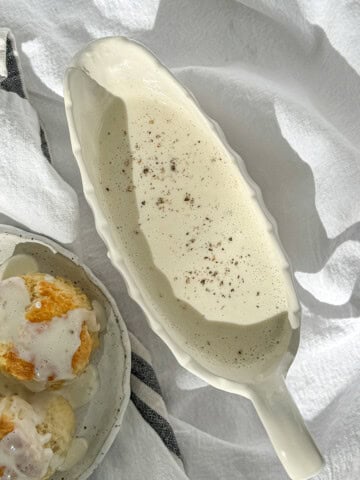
{"points": [[281, 77], [31, 191]]}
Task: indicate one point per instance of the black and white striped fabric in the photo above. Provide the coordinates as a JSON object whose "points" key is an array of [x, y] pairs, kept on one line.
{"points": [[145, 388], [11, 78], [147, 398]]}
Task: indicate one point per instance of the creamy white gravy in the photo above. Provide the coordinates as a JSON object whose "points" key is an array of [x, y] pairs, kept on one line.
{"points": [[192, 234], [20, 264], [76, 453], [49, 346], [81, 390], [23, 450]]}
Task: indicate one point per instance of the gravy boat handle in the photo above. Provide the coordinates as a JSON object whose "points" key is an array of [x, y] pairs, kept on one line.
{"points": [[286, 428]]}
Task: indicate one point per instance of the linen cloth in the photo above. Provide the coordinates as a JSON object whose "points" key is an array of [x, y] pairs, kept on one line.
{"points": [[25, 159], [282, 78]]}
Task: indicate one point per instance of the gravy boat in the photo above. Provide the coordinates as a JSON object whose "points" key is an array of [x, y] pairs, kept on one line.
{"points": [[91, 86]]}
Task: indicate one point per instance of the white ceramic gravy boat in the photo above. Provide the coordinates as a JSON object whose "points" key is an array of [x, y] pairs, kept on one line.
{"points": [[91, 85]]}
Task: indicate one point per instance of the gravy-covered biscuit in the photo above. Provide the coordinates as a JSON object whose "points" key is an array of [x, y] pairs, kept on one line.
{"points": [[48, 330]]}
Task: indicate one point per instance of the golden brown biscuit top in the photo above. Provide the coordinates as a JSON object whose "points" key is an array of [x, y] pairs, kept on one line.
{"points": [[53, 298], [6, 425], [50, 298]]}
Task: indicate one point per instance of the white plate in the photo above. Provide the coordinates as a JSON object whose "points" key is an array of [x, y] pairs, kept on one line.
{"points": [[98, 421]]}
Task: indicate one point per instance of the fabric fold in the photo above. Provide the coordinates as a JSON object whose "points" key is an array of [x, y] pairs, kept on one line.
{"points": [[31, 191]]}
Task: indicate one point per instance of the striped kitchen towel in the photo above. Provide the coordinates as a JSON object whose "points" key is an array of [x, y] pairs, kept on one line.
{"points": [[11, 77], [31, 183], [147, 398], [145, 388]]}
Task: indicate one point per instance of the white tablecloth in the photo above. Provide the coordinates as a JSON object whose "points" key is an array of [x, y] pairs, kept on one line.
{"points": [[282, 79]]}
